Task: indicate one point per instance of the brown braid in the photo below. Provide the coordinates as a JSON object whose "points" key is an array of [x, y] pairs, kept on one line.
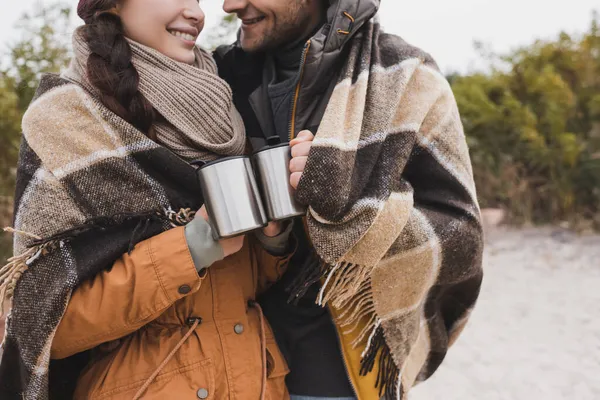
{"points": [[109, 66]]}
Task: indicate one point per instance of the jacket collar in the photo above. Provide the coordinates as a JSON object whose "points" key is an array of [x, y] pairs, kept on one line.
{"points": [[346, 16], [344, 19], [321, 63]]}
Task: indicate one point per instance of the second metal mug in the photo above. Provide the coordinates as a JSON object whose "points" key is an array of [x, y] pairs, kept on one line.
{"points": [[272, 168], [231, 196]]}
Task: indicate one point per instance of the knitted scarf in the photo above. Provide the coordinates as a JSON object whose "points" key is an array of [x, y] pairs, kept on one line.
{"points": [[393, 213], [197, 105], [89, 187]]}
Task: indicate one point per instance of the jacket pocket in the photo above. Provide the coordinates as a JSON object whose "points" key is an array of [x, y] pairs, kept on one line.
{"points": [[185, 380], [277, 369]]}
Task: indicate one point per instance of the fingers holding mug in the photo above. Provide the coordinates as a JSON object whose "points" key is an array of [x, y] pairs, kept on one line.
{"points": [[231, 245], [303, 136], [273, 229], [297, 164], [301, 149], [300, 146], [202, 213], [295, 179]]}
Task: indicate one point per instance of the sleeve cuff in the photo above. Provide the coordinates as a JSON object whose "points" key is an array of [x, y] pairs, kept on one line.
{"points": [[205, 250], [173, 264], [276, 245]]}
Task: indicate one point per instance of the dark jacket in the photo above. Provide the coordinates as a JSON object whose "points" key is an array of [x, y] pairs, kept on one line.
{"points": [[320, 66], [322, 59]]}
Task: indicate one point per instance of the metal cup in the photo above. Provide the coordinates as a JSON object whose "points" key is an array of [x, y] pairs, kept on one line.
{"points": [[271, 165], [232, 197]]}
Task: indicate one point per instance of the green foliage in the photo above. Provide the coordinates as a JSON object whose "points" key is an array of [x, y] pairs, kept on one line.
{"points": [[42, 47], [224, 33], [9, 128], [533, 125], [534, 130]]}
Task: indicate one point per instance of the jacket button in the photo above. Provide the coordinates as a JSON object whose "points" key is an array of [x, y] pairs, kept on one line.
{"points": [[202, 272], [238, 328], [202, 393], [184, 289]]}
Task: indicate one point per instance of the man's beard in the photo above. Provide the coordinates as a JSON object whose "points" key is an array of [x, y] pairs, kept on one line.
{"points": [[286, 30]]}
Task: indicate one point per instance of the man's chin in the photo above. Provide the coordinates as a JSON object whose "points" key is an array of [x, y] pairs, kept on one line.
{"points": [[250, 46], [255, 42]]}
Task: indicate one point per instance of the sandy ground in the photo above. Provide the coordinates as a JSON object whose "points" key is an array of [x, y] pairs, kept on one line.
{"points": [[535, 333]]}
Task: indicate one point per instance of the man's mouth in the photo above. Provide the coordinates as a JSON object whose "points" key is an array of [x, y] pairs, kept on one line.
{"points": [[252, 21]]}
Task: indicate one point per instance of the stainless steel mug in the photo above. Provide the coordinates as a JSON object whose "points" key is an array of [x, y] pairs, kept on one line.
{"points": [[271, 165], [231, 196]]}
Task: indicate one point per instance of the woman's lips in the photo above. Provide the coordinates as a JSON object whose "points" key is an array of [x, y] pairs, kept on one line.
{"points": [[188, 37]]}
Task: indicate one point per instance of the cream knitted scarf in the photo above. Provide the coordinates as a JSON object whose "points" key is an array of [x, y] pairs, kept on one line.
{"points": [[201, 120]]}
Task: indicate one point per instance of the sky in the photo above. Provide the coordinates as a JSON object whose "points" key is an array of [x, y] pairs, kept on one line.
{"points": [[445, 29]]}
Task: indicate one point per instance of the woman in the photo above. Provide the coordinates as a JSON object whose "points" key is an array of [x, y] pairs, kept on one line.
{"points": [[105, 163]]}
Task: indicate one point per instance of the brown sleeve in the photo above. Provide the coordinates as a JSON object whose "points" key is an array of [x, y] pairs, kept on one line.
{"points": [[135, 291]]}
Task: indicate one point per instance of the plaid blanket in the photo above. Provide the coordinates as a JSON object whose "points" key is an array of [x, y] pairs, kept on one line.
{"points": [[89, 187], [393, 212]]}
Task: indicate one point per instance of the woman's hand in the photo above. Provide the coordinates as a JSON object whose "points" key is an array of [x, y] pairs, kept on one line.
{"points": [[230, 246], [300, 146]]}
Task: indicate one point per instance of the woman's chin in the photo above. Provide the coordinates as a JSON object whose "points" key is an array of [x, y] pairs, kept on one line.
{"points": [[186, 57]]}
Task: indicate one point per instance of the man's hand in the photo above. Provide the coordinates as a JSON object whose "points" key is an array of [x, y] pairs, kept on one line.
{"points": [[273, 229], [230, 246], [300, 146]]}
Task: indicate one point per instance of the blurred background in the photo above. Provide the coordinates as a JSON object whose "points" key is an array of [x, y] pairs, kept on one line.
{"points": [[526, 75]]}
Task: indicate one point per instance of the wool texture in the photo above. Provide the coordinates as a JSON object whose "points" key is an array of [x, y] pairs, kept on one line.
{"points": [[89, 187], [393, 212], [200, 120]]}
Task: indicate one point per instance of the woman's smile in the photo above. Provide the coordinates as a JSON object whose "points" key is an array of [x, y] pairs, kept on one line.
{"points": [[187, 35]]}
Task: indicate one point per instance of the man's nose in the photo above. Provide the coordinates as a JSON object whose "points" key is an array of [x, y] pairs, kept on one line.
{"points": [[232, 6]]}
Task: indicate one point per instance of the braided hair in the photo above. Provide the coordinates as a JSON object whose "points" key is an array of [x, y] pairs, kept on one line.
{"points": [[109, 66]]}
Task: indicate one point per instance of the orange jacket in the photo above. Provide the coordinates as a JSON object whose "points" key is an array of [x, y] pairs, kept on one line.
{"points": [[139, 311]]}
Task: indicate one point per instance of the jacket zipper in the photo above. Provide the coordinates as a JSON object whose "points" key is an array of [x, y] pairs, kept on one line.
{"points": [[345, 362], [297, 92]]}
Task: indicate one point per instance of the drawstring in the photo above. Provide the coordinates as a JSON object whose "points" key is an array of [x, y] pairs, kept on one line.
{"points": [[352, 20], [140, 392], [263, 345]]}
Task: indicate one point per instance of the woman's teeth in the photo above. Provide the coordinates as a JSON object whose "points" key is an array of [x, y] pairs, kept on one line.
{"points": [[182, 35]]}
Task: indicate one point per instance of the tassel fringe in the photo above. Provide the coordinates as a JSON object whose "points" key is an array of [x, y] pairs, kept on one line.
{"points": [[17, 265], [344, 281], [347, 287], [311, 272], [388, 374], [181, 217]]}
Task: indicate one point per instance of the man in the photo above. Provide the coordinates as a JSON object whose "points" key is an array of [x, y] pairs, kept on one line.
{"points": [[371, 302]]}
